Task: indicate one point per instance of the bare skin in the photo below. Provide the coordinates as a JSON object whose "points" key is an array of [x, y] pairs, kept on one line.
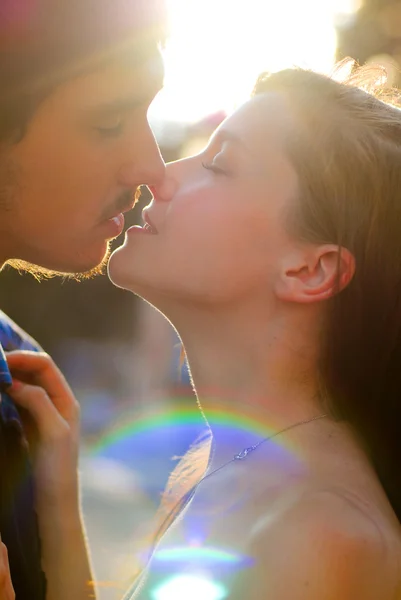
{"points": [[323, 531], [248, 305], [317, 526], [6, 586], [248, 301], [64, 189], [87, 149]]}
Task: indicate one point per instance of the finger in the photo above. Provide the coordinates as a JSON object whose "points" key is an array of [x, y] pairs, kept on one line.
{"points": [[6, 586], [44, 373], [36, 402]]}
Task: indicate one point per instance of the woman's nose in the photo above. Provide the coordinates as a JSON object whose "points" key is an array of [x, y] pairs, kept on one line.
{"points": [[165, 190], [176, 174]]}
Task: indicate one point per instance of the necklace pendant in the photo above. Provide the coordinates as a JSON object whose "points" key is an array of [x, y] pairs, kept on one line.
{"points": [[243, 454]]}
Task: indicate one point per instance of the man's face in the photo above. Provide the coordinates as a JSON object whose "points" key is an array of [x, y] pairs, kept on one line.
{"points": [[87, 148]]}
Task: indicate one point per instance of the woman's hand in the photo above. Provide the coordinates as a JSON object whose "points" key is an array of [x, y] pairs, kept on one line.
{"points": [[51, 418], [50, 414], [6, 587]]}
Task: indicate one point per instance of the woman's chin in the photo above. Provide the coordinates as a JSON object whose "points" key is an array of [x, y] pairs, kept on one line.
{"points": [[117, 270], [121, 274]]}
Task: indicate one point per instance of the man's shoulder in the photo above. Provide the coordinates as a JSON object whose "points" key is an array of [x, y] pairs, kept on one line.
{"points": [[13, 337]]}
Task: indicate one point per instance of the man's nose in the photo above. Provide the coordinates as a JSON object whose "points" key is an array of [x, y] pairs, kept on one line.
{"points": [[144, 165]]}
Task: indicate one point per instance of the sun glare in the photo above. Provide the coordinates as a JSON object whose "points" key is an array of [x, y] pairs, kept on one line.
{"points": [[218, 47]]}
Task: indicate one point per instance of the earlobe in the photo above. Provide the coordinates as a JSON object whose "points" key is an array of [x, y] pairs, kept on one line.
{"points": [[319, 275], [345, 269]]}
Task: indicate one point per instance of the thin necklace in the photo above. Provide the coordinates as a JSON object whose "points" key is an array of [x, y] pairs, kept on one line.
{"points": [[246, 451], [185, 500], [243, 455]]}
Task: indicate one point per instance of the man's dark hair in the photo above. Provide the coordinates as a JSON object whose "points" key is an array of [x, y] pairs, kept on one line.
{"points": [[48, 41]]}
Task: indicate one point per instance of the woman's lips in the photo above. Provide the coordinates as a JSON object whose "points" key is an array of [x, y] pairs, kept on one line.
{"points": [[147, 228], [148, 224], [141, 230]]}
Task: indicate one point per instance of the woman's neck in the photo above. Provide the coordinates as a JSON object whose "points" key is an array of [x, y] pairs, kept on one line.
{"points": [[252, 372]]}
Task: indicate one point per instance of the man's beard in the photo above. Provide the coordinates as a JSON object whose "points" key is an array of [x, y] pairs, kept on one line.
{"points": [[40, 273]]}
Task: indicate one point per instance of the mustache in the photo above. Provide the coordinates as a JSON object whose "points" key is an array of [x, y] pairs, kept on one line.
{"points": [[125, 201], [128, 199]]}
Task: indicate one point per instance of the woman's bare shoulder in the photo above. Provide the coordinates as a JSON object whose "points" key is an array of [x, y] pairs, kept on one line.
{"points": [[324, 547]]}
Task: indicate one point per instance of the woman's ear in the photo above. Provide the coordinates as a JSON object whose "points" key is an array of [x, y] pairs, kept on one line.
{"points": [[315, 273]]}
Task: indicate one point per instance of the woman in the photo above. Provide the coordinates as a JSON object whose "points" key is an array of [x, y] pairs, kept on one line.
{"points": [[276, 255]]}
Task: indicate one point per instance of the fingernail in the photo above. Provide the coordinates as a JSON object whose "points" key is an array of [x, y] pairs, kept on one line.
{"points": [[16, 385]]}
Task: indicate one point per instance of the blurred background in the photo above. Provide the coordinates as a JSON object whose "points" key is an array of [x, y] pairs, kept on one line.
{"points": [[120, 356]]}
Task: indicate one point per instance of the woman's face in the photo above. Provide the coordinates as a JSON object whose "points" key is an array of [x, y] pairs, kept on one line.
{"points": [[219, 215]]}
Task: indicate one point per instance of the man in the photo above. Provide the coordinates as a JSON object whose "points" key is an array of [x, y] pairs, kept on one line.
{"points": [[76, 80]]}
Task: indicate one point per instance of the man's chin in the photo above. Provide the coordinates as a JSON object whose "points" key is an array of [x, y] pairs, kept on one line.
{"points": [[76, 272]]}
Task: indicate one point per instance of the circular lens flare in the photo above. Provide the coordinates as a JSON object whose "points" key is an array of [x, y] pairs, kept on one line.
{"points": [[182, 587]]}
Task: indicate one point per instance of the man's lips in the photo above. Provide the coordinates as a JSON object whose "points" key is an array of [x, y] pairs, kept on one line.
{"points": [[112, 221], [113, 226], [121, 205], [116, 212]]}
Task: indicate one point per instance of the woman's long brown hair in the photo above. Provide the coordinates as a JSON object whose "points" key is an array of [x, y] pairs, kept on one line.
{"points": [[346, 149]]}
